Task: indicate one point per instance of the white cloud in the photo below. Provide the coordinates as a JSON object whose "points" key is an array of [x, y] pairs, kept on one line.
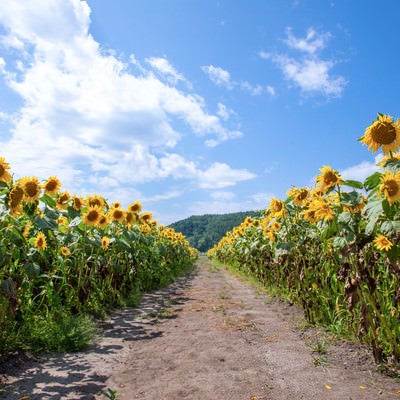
{"points": [[163, 66], [224, 112], [271, 90], [86, 116], [220, 175], [312, 43], [163, 196], [309, 71], [361, 171], [218, 75], [222, 195]]}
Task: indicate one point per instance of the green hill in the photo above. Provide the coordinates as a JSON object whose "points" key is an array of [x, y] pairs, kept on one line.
{"points": [[203, 231]]}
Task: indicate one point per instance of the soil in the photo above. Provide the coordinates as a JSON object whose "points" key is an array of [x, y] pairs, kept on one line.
{"points": [[209, 335]]}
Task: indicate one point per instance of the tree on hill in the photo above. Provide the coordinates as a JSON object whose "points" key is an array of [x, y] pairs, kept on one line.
{"points": [[204, 231]]}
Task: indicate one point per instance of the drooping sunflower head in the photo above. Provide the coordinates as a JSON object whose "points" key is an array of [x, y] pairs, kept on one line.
{"points": [[277, 208], [117, 214], [5, 176], [96, 200], [40, 241], [15, 196], [92, 215], [390, 186], [131, 218], [300, 197], [62, 202], [52, 185], [382, 133], [78, 203], [381, 242], [328, 178], [135, 207], [31, 188]]}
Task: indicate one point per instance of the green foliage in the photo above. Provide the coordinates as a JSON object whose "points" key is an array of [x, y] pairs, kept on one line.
{"points": [[204, 231]]}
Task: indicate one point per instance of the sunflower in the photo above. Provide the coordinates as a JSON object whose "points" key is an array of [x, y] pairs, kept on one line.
{"points": [[103, 221], [40, 241], [116, 204], [117, 214], [31, 188], [390, 186], [92, 215], [105, 242], [65, 251], [275, 226], [62, 220], [146, 217], [277, 208], [52, 185], [383, 132], [78, 203], [5, 176], [355, 208], [95, 200], [27, 229], [381, 242], [62, 201], [131, 218], [300, 196], [392, 157], [15, 197], [328, 178], [135, 207]]}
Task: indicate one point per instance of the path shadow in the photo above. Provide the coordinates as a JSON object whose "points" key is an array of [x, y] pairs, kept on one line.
{"points": [[74, 375]]}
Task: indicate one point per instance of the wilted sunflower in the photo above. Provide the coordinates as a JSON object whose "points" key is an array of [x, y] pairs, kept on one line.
{"points": [[40, 241], [31, 188], [105, 242], [381, 242], [92, 215], [65, 251], [78, 203], [52, 185], [15, 197], [135, 207], [5, 176], [384, 133], [328, 178], [390, 186], [95, 200], [62, 202], [117, 214]]}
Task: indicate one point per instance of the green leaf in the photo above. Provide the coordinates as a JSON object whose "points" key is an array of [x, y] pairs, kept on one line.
{"points": [[353, 184], [32, 269], [48, 200], [388, 227], [373, 181], [339, 243], [75, 222]]}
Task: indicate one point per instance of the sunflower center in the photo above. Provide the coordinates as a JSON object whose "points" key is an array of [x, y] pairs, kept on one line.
{"points": [[31, 189], [383, 133], [2, 170], [92, 215], [392, 188], [40, 242], [330, 178], [16, 196], [52, 185]]}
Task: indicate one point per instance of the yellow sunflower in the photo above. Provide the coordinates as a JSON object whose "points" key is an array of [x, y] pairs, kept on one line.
{"points": [[27, 229], [328, 178], [78, 203], [105, 242], [135, 207], [300, 197], [15, 196], [95, 200], [390, 186], [103, 221], [381, 242], [382, 133], [65, 251], [131, 218], [92, 216], [62, 201], [277, 208], [52, 185], [117, 214], [116, 204], [40, 241], [31, 188], [5, 176], [146, 217]]}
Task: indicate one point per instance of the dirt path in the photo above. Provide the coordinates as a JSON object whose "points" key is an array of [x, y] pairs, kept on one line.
{"points": [[208, 336]]}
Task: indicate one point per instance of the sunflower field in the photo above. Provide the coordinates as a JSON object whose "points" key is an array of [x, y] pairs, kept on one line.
{"points": [[334, 248], [66, 259]]}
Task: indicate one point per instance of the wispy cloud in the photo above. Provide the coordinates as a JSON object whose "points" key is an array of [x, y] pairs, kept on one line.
{"points": [[222, 78], [91, 117], [308, 71]]}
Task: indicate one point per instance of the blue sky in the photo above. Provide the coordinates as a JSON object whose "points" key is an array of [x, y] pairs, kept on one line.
{"points": [[194, 107]]}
